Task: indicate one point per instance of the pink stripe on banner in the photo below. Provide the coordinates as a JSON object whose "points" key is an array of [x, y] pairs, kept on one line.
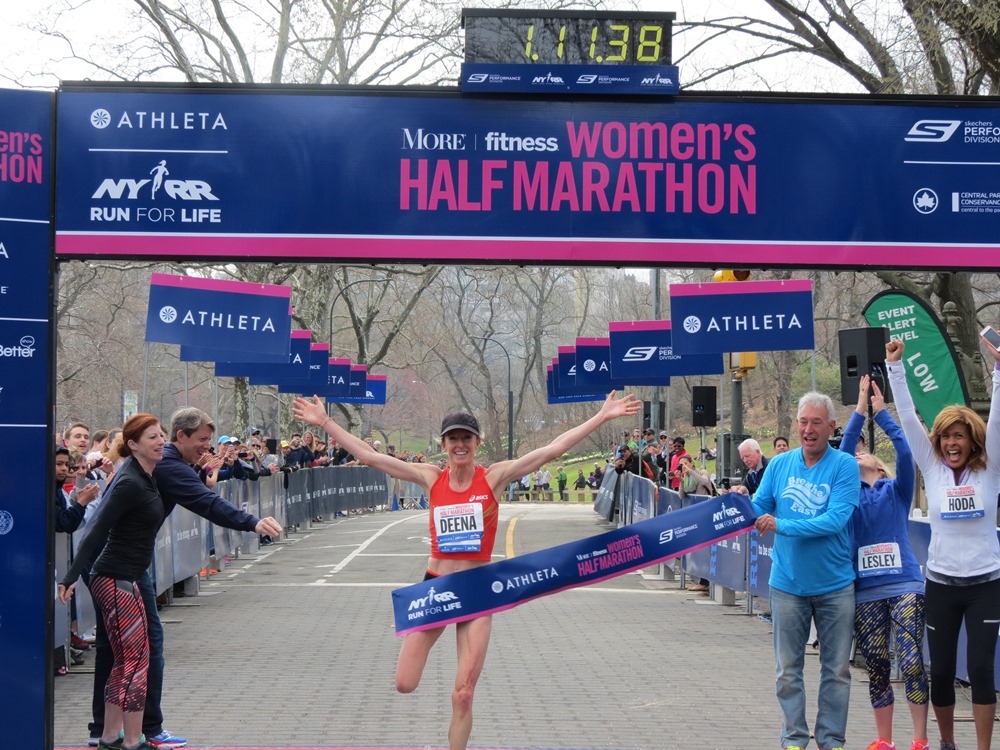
{"points": [[377, 377], [740, 287], [220, 285], [513, 250], [301, 334], [593, 342], [567, 349], [359, 368], [319, 347], [340, 360], [588, 582], [639, 325]]}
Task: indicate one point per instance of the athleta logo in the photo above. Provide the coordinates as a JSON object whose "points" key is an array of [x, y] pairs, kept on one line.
{"points": [[206, 319], [932, 131], [101, 118]]}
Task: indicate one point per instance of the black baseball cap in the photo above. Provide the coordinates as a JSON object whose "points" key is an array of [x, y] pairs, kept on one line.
{"points": [[624, 447], [461, 421]]}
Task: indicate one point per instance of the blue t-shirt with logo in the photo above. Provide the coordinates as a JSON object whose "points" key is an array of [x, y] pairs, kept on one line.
{"points": [[813, 552]]}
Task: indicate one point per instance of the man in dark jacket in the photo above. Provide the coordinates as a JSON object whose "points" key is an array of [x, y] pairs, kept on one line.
{"points": [[70, 507], [178, 484]]}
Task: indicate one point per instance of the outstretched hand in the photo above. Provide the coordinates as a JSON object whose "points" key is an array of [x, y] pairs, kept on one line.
{"points": [[312, 412], [863, 384], [894, 350], [878, 400], [626, 406]]}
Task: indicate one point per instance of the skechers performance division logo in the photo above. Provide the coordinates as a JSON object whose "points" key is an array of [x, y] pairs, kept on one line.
{"points": [[24, 350], [639, 354], [932, 131]]}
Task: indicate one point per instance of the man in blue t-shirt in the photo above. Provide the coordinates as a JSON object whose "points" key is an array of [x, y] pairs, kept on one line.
{"points": [[806, 497]]}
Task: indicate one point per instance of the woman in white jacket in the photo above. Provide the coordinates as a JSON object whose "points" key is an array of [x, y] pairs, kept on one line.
{"points": [[963, 562]]}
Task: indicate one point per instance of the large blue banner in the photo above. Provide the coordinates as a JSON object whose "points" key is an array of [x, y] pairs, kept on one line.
{"points": [[296, 366], [436, 176], [375, 392], [742, 316], [26, 501], [227, 316], [505, 584], [319, 357]]}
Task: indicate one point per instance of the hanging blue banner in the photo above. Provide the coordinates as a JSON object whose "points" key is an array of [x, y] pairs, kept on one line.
{"points": [[27, 618], [640, 351], [375, 392], [505, 584], [297, 366], [319, 356], [553, 394], [338, 379], [742, 316], [359, 381], [225, 315], [593, 372]]}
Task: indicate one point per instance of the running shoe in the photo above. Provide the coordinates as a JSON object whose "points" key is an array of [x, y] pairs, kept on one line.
{"points": [[881, 744], [919, 745], [165, 740], [79, 643], [94, 741], [113, 745]]}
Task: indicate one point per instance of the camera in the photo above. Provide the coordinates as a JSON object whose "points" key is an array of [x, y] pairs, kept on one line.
{"points": [[242, 454]]}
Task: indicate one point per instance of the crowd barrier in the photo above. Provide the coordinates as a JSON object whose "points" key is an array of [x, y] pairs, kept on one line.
{"points": [[741, 564]]}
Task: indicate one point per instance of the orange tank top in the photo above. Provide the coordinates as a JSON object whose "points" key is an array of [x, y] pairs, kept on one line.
{"points": [[463, 524]]}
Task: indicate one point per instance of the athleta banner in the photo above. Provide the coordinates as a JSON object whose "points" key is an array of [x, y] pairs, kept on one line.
{"points": [[932, 373], [230, 316], [742, 316], [505, 584], [297, 365], [434, 176]]}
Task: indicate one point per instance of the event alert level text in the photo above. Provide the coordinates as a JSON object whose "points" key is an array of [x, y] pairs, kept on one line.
{"points": [[157, 215]]}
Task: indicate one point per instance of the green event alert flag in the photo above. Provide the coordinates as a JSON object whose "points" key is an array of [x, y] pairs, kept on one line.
{"points": [[932, 370]]}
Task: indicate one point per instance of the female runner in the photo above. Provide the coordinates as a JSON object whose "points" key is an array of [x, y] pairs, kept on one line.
{"points": [[889, 590], [126, 526], [963, 563], [477, 489]]}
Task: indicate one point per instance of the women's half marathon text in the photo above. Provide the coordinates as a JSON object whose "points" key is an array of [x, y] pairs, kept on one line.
{"points": [[638, 167]]}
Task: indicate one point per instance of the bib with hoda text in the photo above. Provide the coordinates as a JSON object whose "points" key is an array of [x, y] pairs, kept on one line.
{"points": [[961, 502]]}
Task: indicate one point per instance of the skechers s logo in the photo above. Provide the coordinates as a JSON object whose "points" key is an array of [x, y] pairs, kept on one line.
{"points": [[639, 354], [932, 131]]}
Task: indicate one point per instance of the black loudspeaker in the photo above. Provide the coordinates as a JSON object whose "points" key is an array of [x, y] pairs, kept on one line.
{"points": [[862, 352], [703, 413], [647, 414]]}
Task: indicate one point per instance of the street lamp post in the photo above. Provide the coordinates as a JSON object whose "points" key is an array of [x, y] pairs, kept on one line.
{"points": [[510, 398]]}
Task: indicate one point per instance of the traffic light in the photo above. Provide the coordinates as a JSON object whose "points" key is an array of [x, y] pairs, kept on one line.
{"points": [[729, 274], [739, 362]]}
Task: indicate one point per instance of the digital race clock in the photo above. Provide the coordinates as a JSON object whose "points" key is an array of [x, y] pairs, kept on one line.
{"points": [[567, 37], [548, 52]]}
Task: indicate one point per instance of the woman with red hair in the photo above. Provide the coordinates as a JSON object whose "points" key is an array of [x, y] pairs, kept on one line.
{"points": [[126, 525]]}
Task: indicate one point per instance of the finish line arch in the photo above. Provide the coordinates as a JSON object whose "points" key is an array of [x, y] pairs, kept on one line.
{"points": [[431, 176]]}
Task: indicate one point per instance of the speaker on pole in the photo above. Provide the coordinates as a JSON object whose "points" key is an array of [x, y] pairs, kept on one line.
{"points": [[703, 413], [862, 352]]}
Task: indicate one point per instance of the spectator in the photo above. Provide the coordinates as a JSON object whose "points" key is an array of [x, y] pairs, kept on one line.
{"points": [[647, 438], [806, 498], [298, 455], [126, 532], [960, 464], [756, 463], [580, 483], [889, 587], [70, 506], [179, 484], [598, 474], [562, 479], [99, 441], [526, 486], [547, 484], [629, 461], [663, 456], [694, 481], [676, 451], [77, 437], [536, 482], [780, 444]]}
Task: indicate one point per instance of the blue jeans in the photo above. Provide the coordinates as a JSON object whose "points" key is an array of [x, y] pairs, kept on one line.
{"points": [[834, 616], [152, 716]]}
